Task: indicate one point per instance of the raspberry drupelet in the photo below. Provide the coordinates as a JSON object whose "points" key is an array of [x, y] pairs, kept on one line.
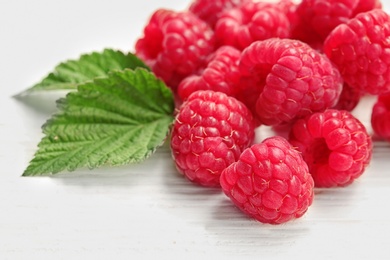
{"points": [[335, 146], [284, 79], [360, 49], [175, 45], [210, 132], [270, 182]]}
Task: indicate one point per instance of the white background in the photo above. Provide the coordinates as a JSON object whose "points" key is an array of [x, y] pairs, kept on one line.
{"points": [[146, 210]]}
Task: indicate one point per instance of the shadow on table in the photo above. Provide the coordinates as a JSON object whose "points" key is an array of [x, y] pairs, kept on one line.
{"points": [[43, 102], [142, 175], [226, 226]]}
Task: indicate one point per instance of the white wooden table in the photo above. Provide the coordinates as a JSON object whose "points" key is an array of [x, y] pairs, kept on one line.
{"points": [[146, 210]]}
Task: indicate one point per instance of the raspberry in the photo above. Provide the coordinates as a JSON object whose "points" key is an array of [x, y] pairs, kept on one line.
{"points": [[360, 49], [319, 17], [270, 182], [290, 9], [284, 79], [175, 45], [251, 21], [210, 132], [221, 74], [349, 98], [334, 144], [380, 117], [210, 11], [367, 5]]}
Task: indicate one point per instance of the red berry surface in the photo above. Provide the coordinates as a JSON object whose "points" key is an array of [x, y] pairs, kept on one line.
{"points": [[284, 79], [210, 132], [175, 45], [249, 22], [210, 11], [221, 74], [360, 49], [380, 117], [270, 182], [335, 145]]}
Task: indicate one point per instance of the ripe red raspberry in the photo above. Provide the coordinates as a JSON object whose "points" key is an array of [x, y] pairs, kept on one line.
{"points": [[349, 98], [360, 49], [317, 18], [210, 11], [210, 132], [380, 117], [367, 5], [221, 74], [249, 22], [270, 182], [335, 146], [284, 79], [289, 7], [175, 45]]}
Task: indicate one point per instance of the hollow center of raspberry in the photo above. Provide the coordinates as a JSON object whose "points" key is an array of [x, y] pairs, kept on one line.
{"points": [[260, 73], [319, 152]]}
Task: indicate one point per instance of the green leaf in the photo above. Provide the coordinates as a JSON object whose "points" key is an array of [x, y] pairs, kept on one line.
{"points": [[69, 74], [116, 120]]}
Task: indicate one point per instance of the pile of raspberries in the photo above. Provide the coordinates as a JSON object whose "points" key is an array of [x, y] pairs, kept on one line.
{"points": [[237, 65]]}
